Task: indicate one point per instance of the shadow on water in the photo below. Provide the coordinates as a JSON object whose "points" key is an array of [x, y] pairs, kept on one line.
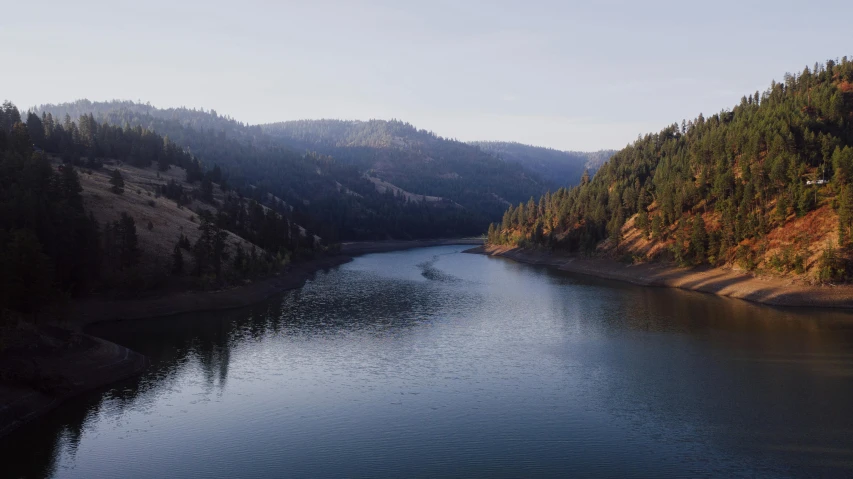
{"points": [[727, 387], [756, 363], [377, 307]]}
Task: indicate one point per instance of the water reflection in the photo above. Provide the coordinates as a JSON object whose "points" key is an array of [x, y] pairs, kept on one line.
{"points": [[430, 362]]}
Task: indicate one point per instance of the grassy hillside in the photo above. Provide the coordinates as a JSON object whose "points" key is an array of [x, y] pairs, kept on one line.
{"points": [[558, 168], [344, 180], [87, 208], [766, 186], [160, 221]]}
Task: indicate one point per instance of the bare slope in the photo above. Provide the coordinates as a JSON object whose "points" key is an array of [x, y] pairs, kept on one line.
{"points": [[142, 202]]}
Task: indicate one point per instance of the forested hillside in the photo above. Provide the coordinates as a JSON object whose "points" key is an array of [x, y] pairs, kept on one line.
{"points": [[344, 180], [765, 186], [556, 167], [90, 207], [415, 160]]}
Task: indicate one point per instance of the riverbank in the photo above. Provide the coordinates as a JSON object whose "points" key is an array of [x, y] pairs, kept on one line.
{"points": [[68, 362], [92, 311], [366, 247], [719, 281], [42, 367]]}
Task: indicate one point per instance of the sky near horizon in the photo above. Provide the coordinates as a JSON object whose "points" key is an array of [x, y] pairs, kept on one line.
{"points": [[566, 75]]}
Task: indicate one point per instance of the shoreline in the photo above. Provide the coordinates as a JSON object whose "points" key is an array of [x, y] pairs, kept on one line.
{"points": [[87, 312], [52, 377], [47, 376], [91, 311], [719, 281]]}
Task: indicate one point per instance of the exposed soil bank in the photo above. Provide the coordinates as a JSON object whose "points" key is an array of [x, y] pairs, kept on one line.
{"points": [[54, 364], [719, 281]]}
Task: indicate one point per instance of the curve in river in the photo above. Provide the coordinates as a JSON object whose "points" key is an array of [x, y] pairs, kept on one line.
{"points": [[431, 362]]}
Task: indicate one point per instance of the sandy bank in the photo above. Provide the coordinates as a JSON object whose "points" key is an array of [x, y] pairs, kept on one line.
{"points": [[723, 282]]}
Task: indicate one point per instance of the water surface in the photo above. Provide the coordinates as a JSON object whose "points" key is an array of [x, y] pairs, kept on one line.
{"points": [[431, 362]]}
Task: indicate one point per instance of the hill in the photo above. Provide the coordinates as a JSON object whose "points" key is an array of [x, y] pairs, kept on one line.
{"points": [[765, 187], [415, 160], [561, 168], [343, 180], [87, 207]]}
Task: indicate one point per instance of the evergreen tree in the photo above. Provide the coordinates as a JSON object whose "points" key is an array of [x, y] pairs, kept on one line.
{"points": [[845, 214], [127, 242], [657, 227], [117, 181], [699, 240], [782, 205]]}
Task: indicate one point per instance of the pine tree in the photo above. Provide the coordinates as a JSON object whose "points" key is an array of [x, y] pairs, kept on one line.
{"points": [[117, 181], [36, 129], [642, 222], [699, 240], [128, 244], [845, 214], [657, 227], [805, 201], [782, 205]]}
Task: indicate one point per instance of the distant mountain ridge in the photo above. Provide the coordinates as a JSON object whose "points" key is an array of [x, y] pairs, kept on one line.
{"points": [[562, 168], [415, 160], [344, 179]]}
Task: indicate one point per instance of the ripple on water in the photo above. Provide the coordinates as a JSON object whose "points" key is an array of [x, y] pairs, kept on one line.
{"points": [[433, 363]]}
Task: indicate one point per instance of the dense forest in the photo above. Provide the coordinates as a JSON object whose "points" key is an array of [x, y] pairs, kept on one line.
{"points": [[329, 173], [52, 247], [766, 186], [555, 167]]}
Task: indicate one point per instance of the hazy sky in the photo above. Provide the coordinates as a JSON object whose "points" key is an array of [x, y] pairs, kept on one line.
{"points": [[569, 75]]}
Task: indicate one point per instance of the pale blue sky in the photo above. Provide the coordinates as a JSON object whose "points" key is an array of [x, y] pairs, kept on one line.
{"points": [[569, 75]]}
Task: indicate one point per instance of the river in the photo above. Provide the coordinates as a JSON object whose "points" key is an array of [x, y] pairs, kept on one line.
{"points": [[436, 363]]}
